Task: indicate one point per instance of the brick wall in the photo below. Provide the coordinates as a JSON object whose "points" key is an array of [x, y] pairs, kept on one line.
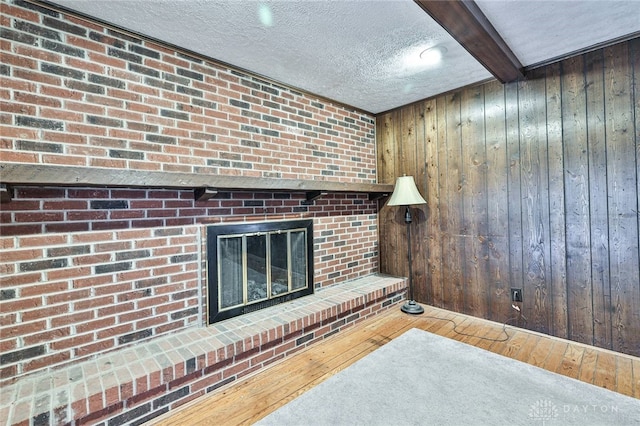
{"points": [[88, 270], [78, 94]]}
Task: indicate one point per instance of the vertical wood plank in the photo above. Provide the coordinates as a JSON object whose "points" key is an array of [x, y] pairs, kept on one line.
{"points": [[535, 201], [385, 148], [434, 252], [454, 182], [474, 213], [543, 299], [385, 141], [465, 215], [623, 199], [423, 289], [408, 164], [514, 205], [499, 298], [599, 222], [441, 114], [557, 217], [634, 49], [403, 167], [579, 294]]}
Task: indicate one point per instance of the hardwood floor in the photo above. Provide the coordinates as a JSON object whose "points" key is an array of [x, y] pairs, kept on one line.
{"points": [[256, 396]]}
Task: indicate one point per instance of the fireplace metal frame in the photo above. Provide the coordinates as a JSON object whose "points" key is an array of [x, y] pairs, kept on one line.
{"points": [[214, 232]]}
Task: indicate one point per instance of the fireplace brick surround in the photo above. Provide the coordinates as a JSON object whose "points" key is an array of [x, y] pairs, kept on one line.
{"points": [[91, 273]]}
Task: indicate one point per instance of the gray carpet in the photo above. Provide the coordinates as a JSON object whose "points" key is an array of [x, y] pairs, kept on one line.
{"points": [[423, 379]]}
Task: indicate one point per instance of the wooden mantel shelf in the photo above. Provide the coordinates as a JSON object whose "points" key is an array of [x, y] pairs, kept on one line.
{"points": [[54, 175]]}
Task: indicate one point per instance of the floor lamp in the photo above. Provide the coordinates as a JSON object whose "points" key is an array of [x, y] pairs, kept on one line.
{"points": [[406, 194]]}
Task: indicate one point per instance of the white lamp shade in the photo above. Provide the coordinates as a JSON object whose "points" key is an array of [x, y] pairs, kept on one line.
{"points": [[405, 193]]}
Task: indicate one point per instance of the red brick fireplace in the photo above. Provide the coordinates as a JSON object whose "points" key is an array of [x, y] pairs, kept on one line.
{"points": [[103, 241]]}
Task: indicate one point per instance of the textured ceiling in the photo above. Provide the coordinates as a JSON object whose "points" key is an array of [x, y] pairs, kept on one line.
{"points": [[540, 30], [359, 52]]}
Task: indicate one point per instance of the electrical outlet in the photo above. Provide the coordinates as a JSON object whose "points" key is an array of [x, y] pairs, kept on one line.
{"points": [[516, 295]]}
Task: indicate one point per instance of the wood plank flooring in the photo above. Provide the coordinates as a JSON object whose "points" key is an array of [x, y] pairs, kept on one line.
{"points": [[257, 395]]}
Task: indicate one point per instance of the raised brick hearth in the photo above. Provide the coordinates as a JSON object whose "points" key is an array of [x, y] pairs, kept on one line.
{"points": [[141, 382]]}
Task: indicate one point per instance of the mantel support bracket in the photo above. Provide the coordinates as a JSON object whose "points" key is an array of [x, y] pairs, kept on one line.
{"points": [[375, 196], [5, 193], [204, 194], [314, 195]]}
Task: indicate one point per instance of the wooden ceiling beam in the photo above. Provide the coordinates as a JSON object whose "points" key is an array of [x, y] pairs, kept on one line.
{"points": [[466, 23]]}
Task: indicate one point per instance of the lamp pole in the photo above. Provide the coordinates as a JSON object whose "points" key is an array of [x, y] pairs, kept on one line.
{"points": [[410, 307], [406, 194]]}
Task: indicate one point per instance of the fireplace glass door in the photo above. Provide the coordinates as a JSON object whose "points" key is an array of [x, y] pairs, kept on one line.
{"points": [[260, 267]]}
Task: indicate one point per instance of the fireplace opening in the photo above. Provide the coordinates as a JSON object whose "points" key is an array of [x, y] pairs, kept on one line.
{"points": [[255, 265]]}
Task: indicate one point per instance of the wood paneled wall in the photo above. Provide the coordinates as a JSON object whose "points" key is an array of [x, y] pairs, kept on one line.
{"points": [[531, 185]]}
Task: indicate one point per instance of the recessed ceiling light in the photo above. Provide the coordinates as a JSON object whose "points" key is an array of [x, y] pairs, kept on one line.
{"points": [[416, 59], [433, 55]]}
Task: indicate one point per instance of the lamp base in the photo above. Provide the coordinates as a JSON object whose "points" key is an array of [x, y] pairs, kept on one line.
{"points": [[411, 307]]}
